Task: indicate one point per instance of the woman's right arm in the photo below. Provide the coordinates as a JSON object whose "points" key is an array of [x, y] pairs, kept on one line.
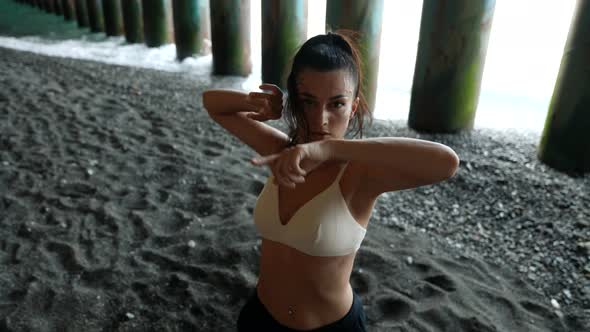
{"points": [[242, 114]]}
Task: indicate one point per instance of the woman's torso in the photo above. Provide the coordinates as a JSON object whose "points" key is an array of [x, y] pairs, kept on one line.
{"points": [[316, 289]]}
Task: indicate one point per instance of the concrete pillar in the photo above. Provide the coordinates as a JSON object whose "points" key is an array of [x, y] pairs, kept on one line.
{"points": [[113, 18], [58, 8], [81, 13], [449, 65], [95, 15], [50, 6], [230, 37], [284, 29], [189, 26], [132, 20], [364, 17], [565, 142], [69, 9], [157, 22]]}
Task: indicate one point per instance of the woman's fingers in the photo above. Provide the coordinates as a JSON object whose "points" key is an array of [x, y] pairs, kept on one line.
{"points": [[260, 95], [276, 95], [259, 102], [256, 116], [275, 163], [282, 171], [285, 167], [297, 156], [297, 178], [275, 89], [258, 161], [278, 169], [290, 167], [260, 106], [290, 174]]}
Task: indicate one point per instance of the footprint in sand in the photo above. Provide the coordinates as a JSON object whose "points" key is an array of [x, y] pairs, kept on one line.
{"points": [[10, 251], [166, 148], [211, 153], [392, 308], [362, 282], [66, 256], [213, 149], [536, 309], [172, 224], [76, 189], [160, 129], [432, 290], [104, 278], [147, 295], [428, 294], [141, 139], [433, 287], [162, 196], [116, 143], [474, 324], [443, 282], [138, 231]]}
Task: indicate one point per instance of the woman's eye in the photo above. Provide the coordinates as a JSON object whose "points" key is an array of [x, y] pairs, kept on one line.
{"points": [[338, 104]]}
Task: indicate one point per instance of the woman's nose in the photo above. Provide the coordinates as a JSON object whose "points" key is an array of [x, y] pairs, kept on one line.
{"points": [[320, 117]]}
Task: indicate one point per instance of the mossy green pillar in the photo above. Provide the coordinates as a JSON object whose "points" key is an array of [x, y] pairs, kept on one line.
{"points": [[95, 15], [81, 13], [565, 142], [188, 25], [284, 29], [157, 23], [449, 64], [58, 7], [50, 6], [69, 9], [230, 37], [364, 17], [132, 20], [113, 18]]}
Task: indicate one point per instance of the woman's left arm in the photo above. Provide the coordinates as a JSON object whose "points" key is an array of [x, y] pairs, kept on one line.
{"points": [[394, 163], [383, 164]]}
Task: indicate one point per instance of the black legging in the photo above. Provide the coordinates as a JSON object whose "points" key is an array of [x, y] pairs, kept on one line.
{"points": [[255, 317]]}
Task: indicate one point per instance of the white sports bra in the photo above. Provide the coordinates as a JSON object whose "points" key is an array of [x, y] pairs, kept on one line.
{"points": [[321, 227]]}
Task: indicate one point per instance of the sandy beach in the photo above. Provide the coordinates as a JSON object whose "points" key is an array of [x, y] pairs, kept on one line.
{"points": [[123, 207]]}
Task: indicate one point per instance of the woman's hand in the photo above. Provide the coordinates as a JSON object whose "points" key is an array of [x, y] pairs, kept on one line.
{"points": [[291, 165], [266, 105]]}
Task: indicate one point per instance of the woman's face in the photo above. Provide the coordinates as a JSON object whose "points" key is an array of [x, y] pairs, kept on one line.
{"points": [[327, 102]]}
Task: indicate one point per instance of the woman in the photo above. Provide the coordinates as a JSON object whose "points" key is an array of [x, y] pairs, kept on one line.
{"points": [[313, 215]]}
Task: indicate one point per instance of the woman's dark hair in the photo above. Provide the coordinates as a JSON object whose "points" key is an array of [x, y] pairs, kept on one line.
{"points": [[332, 51]]}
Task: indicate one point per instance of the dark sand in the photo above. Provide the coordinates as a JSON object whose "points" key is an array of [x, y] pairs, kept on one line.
{"points": [[124, 208]]}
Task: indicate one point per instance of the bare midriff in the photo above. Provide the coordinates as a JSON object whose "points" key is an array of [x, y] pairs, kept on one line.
{"points": [[301, 291]]}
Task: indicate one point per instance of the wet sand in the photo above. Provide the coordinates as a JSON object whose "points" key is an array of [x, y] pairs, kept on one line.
{"points": [[123, 207]]}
